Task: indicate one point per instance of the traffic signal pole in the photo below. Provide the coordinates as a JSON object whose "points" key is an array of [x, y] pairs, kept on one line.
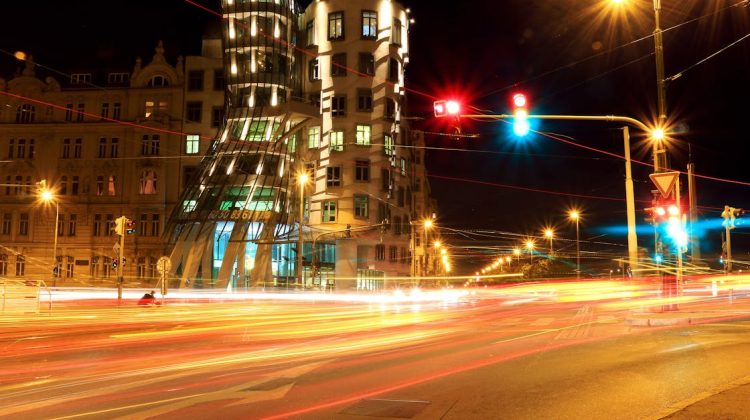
{"points": [[121, 264], [629, 189]]}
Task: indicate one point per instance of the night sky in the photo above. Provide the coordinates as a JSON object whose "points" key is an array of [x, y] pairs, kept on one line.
{"points": [[568, 56]]}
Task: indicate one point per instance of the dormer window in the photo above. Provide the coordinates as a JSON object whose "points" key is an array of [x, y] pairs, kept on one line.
{"points": [[80, 78], [158, 81]]}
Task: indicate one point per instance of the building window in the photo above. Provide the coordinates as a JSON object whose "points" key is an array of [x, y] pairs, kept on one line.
{"points": [[403, 166], [369, 24], [155, 108], [333, 176], [336, 26], [400, 197], [338, 65], [217, 116], [74, 185], [105, 110], [147, 185], [364, 132], [3, 264], [404, 256], [11, 148], [69, 267], [364, 100], [362, 170], [194, 111], [21, 149], [310, 33], [155, 225], [69, 112], [25, 114], [315, 100], [396, 32], [313, 69], [80, 78], [7, 223], [397, 225], [336, 142], [192, 144], [361, 206], [116, 111], [367, 64], [219, 79], [99, 185], [109, 226], [388, 147], [23, 224], [158, 81], [392, 254], [380, 252], [115, 147], [188, 172], [313, 138], [385, 179], [338, 106], [392, 70], [72, 224], [143, 225], [66, 149], [116, 78], [97, 228], [329, 211], [77, 148], [390, 109], [80, 112], [20, 265], [150, 145], [102, 148], [195, 80]]}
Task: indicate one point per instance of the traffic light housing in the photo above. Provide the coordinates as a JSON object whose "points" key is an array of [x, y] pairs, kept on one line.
{"points": [[130, 226], [521, 125], [446, 108], [731, 217], [120, 225]]}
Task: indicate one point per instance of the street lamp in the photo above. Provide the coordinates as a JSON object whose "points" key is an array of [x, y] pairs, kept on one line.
{"points": [[517, 253], [549, 234], [576, 216], [427, 225], [302, 179], [530, 248], [47, 196]]}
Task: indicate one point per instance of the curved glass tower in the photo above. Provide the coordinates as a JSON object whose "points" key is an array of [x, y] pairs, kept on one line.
{"points": [[236, 220]]}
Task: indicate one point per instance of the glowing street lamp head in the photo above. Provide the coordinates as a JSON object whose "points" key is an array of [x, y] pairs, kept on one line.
{"points": [[549, 233], [507, 259], [437, 244], [427, 223], [529, 244], [46, 195], [303, 178], [658, 134], [516, 251], [574, 215]]}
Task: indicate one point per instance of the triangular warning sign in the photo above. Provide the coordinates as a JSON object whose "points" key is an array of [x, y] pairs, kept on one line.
{"points": [[664, 182]]}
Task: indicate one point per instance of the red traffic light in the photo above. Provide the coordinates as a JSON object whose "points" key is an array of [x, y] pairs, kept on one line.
{"points": [[519, 100], [443, 108]]}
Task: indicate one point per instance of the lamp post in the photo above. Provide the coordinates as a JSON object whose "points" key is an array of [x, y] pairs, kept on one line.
{"points": [[530, 248], [575, 216], [517, 253], [302, 180], [549, 234], [427, 224], [48, 196]]}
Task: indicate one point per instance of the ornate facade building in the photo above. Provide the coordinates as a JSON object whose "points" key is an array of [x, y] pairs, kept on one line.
{"points": [[205, 156]]}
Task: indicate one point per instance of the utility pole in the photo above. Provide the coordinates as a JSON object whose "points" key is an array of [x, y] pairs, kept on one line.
{"points": [[695, 249], [120, 224]]}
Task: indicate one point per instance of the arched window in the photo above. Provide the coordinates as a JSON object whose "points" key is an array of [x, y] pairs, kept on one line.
{"points": [[25, 114], [158, 81], [148, 183]]}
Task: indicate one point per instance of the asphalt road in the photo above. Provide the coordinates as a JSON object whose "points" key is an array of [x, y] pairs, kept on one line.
{"points": [[477, 357]]}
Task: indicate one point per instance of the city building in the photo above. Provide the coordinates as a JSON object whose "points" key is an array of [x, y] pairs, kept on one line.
{"points": [[206, 155]]}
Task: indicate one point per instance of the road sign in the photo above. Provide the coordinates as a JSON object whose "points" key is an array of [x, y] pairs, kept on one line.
{"points": [[664, 182], [116, 247]]}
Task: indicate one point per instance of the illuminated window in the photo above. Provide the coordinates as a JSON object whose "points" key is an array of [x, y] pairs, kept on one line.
{"points": [[329, 211], [337, 141], [388, 145], [336, 26], [364, 134], [369, 24], [189, 205], [361, 206], [99, 185], [313, 138], [147, 185], [192, 144]]}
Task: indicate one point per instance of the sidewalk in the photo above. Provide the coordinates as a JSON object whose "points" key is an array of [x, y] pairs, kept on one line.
{"points": [[733, 402], [690, 313]]}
